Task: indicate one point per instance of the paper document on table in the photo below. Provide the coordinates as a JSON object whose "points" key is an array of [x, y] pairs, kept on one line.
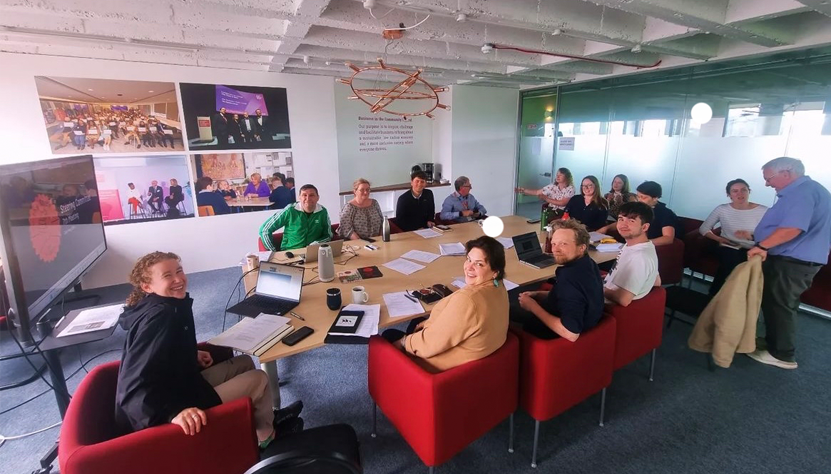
{"points": [[421, 256], [506, 242], [403, 266], [369, 323], [250, 335], [93, 319], [597, 236], [452, 249], [609, 247], [459, 282], [401, 304], [428, 233]]}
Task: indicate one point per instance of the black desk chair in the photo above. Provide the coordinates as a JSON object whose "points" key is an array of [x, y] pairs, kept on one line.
{"points": [[331, 449]]}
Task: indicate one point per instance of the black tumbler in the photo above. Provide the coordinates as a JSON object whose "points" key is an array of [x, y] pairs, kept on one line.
{"points": [[333, 300]]}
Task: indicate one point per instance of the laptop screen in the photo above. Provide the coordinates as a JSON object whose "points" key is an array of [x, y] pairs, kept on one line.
{"points": [[527, 245], [280, 281]]}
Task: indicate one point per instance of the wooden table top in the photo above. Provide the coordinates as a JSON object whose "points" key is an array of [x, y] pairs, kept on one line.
{"points": [[442, 270], [253, 202]]}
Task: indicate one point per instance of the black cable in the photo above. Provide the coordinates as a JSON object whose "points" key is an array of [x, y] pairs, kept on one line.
{"points": [[38, 351], [228, 303]]}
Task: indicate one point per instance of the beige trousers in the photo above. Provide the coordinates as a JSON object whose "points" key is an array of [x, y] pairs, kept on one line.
{"points": [[236, 378]]}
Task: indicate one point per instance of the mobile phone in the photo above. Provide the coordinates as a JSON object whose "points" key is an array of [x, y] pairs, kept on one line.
{"points": [[443, 227], [532, 221], [369, 240], [298, 336]]}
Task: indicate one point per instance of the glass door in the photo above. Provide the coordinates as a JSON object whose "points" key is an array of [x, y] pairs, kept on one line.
{"points": [[536, 148]]}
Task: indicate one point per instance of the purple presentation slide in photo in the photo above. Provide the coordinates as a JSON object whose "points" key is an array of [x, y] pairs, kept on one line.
{"points": [[238, 102]]}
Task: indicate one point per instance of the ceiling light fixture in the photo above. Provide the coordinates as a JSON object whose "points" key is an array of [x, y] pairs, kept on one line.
{"points": [[461, 17], [701, 113], [488, 47], [636, 48], [306, 60], [557, 32]]}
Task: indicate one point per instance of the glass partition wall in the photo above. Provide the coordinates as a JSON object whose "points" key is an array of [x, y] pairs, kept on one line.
{"points": [[641, 126]]}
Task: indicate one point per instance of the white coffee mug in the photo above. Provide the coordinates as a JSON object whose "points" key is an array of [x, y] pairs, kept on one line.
{"points": [[359, 295]]}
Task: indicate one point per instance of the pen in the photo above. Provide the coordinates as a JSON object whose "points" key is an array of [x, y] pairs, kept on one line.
{"points": [[410, 297], [297, 315]]}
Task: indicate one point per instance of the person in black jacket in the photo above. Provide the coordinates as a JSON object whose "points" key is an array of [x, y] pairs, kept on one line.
{"points": [[234, 129], [219, 123], [205, 196], [163, 377], [174, 198], [155, 196], [589, 208], [416, 209]]}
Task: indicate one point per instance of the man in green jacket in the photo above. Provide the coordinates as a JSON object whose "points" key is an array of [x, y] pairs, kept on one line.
{"points": [[305, 223]]}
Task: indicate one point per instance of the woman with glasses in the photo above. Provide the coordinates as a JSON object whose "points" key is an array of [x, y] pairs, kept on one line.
{"points": [[589, 208]]}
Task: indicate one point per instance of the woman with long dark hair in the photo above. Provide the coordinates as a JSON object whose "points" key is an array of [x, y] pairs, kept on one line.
{"points": [[589, 208]]}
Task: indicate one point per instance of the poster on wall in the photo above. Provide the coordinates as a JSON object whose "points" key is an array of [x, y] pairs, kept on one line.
{"points": [[144, 188], [251, 181], [103, 116], [227, 117]]}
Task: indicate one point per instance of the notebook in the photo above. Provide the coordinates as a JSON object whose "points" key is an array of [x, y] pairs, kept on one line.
{"points": [[277, 292]]}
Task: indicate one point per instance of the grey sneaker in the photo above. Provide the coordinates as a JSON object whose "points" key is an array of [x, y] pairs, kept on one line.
{"points": [[764, 357]]}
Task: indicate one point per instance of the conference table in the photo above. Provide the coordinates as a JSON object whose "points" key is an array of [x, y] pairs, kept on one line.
{"points": [[253, 202], [443, 270]]}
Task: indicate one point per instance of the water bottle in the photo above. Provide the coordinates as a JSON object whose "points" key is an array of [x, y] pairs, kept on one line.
{"points": [[385, 230], [543, 218]]}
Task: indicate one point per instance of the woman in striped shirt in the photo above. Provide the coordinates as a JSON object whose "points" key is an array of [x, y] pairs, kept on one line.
{"points": [[737, 219]]}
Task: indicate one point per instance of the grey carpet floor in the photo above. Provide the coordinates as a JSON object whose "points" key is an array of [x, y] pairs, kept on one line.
{"points": [[747, 419]]}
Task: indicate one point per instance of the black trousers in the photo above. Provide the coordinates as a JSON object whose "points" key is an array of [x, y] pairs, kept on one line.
{"points": [[529, 322], [728, 259], [785, 281]]}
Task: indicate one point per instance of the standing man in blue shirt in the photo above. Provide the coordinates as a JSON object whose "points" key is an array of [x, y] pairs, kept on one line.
{"points": [[461, 206], [793, 239]]}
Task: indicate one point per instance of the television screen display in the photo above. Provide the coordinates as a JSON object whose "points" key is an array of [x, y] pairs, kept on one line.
{"points": [[52, 230]]}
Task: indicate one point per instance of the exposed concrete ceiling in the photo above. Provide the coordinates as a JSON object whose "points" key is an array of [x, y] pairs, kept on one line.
{"points": [[318, 36]]}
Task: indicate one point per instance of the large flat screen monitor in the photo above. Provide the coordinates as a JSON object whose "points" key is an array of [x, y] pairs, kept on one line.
{"points": [[51, 231]]}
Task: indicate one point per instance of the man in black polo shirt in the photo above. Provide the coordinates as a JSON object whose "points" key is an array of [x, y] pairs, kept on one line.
{"points": [[416, 208], [575, 304], [662, 229]]}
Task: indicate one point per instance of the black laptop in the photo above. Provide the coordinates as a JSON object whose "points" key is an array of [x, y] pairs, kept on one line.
{"points": [[529, 252], [277, 292]]}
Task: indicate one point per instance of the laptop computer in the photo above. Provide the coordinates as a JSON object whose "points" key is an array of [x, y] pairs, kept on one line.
{"points": [[529, 252], [312, 250], [277, 292]]}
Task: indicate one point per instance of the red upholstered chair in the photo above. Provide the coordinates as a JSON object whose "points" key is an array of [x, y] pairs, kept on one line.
{"points": [[439, 414], [394, 229], [557, 374], [671, 262], [639, 328], [90, 442], [819, 294]]}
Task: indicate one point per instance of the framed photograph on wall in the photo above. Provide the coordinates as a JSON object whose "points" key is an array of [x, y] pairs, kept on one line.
{"points": [[103, 116], [228, 117]]}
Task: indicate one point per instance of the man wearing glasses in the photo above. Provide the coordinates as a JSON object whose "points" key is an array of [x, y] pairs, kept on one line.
{"points": [[793, 239], [461, 206]]}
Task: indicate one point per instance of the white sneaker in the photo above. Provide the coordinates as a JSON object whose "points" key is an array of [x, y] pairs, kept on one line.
{"points": [[764, 357]]}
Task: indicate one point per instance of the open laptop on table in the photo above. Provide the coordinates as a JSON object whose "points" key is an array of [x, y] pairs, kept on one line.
{"points": [[529, 252], [312, 250], [277, 292]]}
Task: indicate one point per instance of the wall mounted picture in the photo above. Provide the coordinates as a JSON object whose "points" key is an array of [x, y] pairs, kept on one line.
{"points": [[250, 181], [102, 116], [227, 117], [144, 188]]}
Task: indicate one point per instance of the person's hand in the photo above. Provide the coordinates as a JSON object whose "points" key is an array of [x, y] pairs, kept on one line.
{"points": [[520, 190], [744, 235], [757, 251], [191, 420], [430, 224], [527, 301], [467, 213], [204, 358]]}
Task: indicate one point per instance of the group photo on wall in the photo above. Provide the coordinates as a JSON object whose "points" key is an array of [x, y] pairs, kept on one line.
{"points": [[102, 116], [243, 182], [144, 188], [226, 117]]}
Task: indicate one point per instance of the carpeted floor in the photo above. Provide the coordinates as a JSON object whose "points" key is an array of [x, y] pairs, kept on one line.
{"points": [[749, 418]]}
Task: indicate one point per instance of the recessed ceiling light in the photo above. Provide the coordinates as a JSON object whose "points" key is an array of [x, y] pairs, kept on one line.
{"points": [[89, 90], [150, 92]]}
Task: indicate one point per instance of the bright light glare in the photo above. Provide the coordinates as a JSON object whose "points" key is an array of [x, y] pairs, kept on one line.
{"points": [[701, 113], [493, 226]]}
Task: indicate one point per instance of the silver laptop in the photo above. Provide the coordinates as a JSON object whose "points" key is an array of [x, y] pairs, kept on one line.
{"points": [[529, 252], [277, 292], [312, 250]]}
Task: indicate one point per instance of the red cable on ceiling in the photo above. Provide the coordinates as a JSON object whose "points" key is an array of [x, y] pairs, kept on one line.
{"points": [[570, 56]]}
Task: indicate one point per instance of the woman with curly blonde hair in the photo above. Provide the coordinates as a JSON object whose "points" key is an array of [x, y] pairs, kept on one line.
{"points": [[163, 378]]}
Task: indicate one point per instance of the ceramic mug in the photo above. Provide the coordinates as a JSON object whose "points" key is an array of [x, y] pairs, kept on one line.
{"points": [[359, 295]]}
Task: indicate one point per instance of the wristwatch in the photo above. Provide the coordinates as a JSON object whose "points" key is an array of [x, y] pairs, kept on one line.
{"points": [[761, 247]]}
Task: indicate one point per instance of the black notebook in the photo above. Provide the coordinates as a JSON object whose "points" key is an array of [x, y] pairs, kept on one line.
{"points": [[346, 322]]}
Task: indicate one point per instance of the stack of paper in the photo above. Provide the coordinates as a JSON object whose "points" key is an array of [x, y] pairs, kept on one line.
{"points": [[401, 304], [403, 266], [452, 249], [421, 256], [506, 242], [255, 335], [609, 247], [369, 322], [459, 282], [93, 319], [428, 233]]}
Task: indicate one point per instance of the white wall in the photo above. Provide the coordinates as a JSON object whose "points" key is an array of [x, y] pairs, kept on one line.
{"points": [[206, 243], [484, 144]]}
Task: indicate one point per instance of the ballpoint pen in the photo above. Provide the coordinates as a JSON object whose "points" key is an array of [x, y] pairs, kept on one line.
{"points": [[297, 315], [407, 295]]}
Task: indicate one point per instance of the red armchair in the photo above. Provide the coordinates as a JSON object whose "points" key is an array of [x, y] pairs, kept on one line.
{"points": [[91, 444], [639, 328], [557, 374], [439, 414], [819, 294], [671, 262]]}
